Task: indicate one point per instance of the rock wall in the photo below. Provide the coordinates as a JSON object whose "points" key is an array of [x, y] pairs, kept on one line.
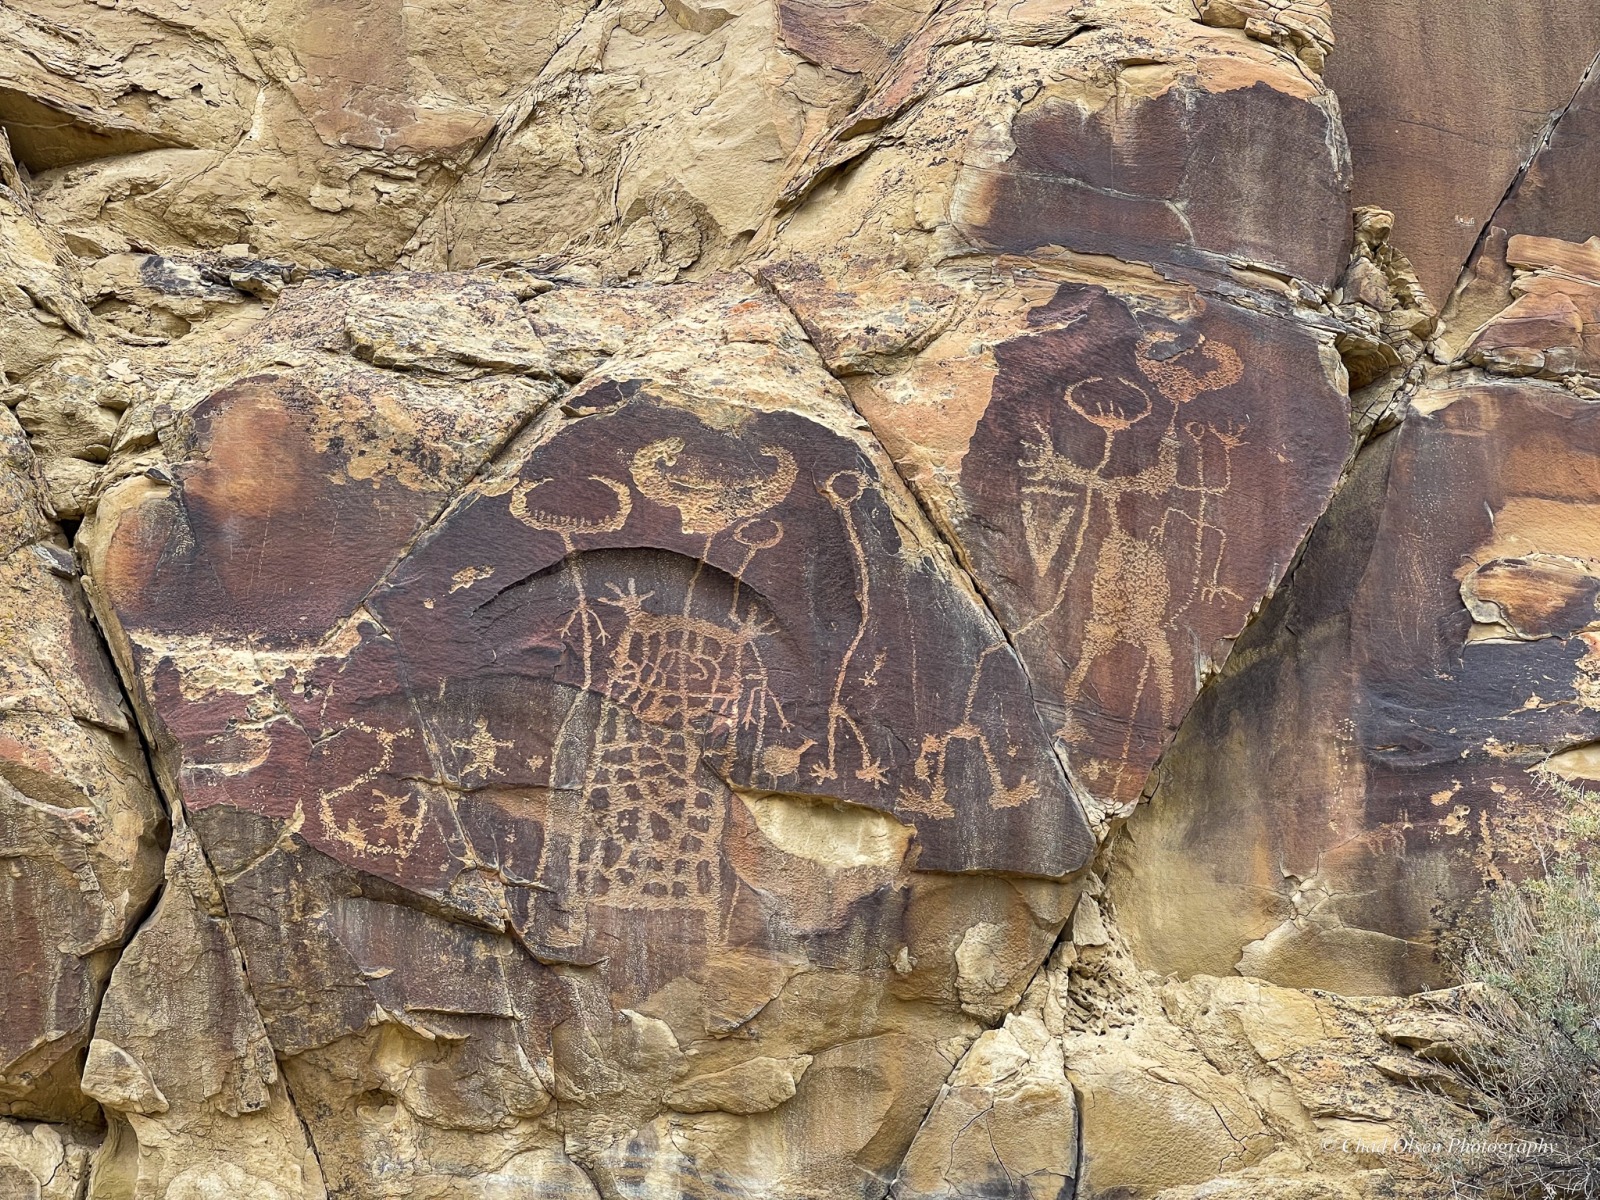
{"points": [[647, 600]]}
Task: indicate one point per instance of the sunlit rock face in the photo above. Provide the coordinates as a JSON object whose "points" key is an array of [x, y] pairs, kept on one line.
{"points": [[761, 599]]}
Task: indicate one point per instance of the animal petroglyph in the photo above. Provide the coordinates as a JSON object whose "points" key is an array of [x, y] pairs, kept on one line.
{"points": [[389, 826], [709, 496], [933, 762], [1182, 376]]}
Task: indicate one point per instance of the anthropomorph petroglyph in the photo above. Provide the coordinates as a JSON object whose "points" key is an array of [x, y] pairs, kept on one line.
{"points": [[653, 815], [1129, 521], [670, 675]]}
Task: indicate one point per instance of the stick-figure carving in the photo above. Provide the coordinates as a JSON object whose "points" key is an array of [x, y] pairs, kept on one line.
{"points": [[843, 490], [1069, 509], [568, 528]]}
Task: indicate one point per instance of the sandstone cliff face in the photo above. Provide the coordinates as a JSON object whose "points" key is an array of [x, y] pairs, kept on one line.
{"points": [[770, 599]]}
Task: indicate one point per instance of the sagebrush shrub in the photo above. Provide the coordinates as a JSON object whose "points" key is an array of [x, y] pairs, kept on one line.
{"points": [[1536, 1064]]}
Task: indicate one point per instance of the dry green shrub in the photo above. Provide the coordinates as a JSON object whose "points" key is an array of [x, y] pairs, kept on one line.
{"points": [[1537, 1066]]}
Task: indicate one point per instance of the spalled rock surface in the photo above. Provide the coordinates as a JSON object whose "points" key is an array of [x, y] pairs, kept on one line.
{"points": [[38, 1160], [320, 132], [658, 137], [40, 309], [1108, 138], [1549, 198], [1418, 728], [1007, 1118], [1106, 1083], [766, 598], [1552, 328]]}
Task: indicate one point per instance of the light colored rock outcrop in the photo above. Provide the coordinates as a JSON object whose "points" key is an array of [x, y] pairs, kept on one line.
{"points": [[1107, 1082], [182, 1066], [79, 823], [43, 1162], [318, 132]]}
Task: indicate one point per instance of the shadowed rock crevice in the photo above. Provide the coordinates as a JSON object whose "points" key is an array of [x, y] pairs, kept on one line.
{"points": [[82, 825], [141, 1033], [44, 136]]}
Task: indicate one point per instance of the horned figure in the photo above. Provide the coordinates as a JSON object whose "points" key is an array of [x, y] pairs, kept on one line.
{"points": [[1072, 511]]}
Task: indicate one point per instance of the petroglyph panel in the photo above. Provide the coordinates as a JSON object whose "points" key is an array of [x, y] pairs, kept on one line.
{"points": [[1389, 734], [681, 605], [1156, 491], [1127, 477], [676, 705], [657, 600]]}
